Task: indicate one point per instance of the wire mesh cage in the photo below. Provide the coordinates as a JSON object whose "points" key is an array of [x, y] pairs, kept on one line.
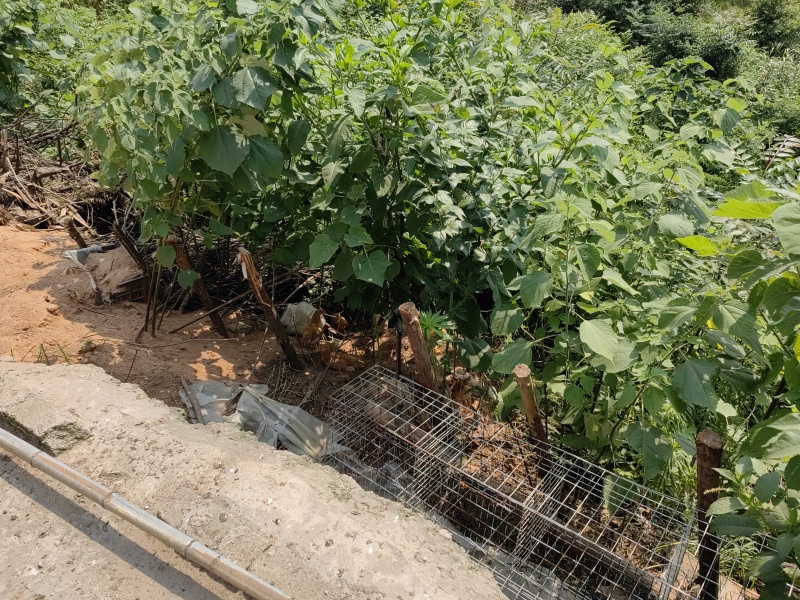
{"points": [[546, 523]]}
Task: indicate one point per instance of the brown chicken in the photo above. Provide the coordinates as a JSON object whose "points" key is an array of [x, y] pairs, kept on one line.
{"points": [[312, 333]]}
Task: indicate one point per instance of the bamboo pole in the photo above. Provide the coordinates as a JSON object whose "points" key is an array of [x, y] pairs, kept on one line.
{"points": [[709, 459], [198, 286], [422, 360], [183, 544], [265, 301], [522, 375]]}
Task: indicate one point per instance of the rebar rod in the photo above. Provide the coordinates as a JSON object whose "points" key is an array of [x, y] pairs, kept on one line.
{"points": [[183, 544]]}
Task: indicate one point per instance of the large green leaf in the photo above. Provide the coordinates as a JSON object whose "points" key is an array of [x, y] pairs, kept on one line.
{"points": [[247, 7], [675, 225], [736, 525], [781, 296], [792, 473], [599, 337], [777, 438], [651, 444], [700, 244], [357, 98], [298, 134], [223, 149], [625, 354], [672, 317], [337, 135], [767, 485], [743, 263], [357, 236], [689, 176], [506, 319], [735, 318], [755, 190], [787, 224], [516, 353], [534, 288], [426, 95], [165, 255], [371, 267], [726, 118], [321, 250], [362, 159], [253, 86], [615, 278], [202, 79], [265, 159], [589, 260], [726, 505], [475, 354], [736, 209], [694, 381], [187, 277]]}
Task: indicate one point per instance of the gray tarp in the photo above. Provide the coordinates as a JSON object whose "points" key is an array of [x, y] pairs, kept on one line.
{"points": [[269, 420]]}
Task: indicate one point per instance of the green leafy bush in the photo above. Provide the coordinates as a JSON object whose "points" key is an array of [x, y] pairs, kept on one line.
{"points": [[776, 26], [17, 38]]}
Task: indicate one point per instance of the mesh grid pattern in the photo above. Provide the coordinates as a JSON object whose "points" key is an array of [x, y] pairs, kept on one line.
{"points": [[548, 524]]}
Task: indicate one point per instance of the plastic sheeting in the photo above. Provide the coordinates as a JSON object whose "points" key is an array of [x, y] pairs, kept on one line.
{"points": [[272, 422], [295, 317]]}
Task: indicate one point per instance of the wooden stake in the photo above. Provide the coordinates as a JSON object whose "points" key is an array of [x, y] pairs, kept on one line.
{"points": [[74, 233], [709, 458], [198, 286], [522, 375], [422, 360], [265, 301]]}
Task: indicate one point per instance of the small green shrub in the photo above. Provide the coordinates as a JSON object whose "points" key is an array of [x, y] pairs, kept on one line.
{"points": [[668, 36], [777, 25], [720, 47]]}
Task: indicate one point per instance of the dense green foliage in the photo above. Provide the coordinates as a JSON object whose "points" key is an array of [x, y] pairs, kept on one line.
{"points": [[776, 25], [547, 195], [17, 20]]}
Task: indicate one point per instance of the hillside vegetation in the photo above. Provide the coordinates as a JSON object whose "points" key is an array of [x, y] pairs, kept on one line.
{"points": [[615, 205]]}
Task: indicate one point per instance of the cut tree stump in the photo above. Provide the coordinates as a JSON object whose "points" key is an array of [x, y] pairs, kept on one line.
{"points": [[422, 360]]}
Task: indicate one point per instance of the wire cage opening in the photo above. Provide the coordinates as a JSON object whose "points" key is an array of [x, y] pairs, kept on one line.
{"points": [[546, 523]]}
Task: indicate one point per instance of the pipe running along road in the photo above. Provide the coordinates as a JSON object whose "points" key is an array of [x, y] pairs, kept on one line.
{"points": [[184, 545]]}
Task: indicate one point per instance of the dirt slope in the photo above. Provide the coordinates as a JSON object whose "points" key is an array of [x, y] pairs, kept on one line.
{"points": [[303, 527]]}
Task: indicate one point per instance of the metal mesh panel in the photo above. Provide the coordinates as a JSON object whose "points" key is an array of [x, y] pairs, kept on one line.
{"points": [[547, 524]]}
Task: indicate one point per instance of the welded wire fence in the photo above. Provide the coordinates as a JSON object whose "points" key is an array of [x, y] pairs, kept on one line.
{"points": [[548, 524]]}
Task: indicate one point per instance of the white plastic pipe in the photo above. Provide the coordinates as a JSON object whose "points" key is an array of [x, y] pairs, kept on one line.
{"points": [[184, 545]]}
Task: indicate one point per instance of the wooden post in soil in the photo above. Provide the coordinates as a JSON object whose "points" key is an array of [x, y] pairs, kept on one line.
{"points": [[422, 360], [198, 286], [74, 233], [522, 375], [709, 458], [265, 301]]}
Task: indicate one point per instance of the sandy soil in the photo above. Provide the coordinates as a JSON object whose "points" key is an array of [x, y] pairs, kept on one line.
{"points": [[49, 317], [303, 527]]}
